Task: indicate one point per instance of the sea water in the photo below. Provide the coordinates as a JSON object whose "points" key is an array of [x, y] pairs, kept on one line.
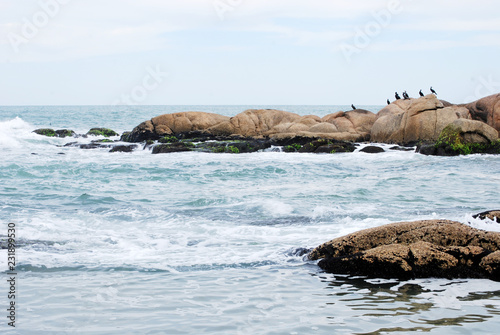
{"points": [[197, 243]]}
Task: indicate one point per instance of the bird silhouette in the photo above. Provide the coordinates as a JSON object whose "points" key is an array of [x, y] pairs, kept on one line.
{"points": [[405, 95], [421, 94], [353, 107], [388, 102], [397, 96], [432, 91]]}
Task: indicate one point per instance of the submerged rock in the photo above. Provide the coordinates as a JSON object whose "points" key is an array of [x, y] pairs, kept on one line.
{"points": [[429, 248]]}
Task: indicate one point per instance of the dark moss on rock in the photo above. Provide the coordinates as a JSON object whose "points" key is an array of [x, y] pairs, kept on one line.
{"points": [[328, 146], [124, 148], [235, 147], [45, 132], [172, 147], [168, 139], [65, 133], [102, 132]]}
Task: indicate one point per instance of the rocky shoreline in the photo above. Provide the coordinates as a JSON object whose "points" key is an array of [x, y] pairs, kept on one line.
{"points": [[420, 249], [433, 126]]}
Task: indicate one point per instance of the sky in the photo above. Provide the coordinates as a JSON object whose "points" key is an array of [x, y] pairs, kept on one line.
{"points": [[246, 52]]}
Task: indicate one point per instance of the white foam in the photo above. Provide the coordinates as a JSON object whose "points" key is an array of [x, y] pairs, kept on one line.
{"points": [[12, 131]]}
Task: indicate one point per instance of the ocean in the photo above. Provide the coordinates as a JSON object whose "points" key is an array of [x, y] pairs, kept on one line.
{"points": [[199, 243]]}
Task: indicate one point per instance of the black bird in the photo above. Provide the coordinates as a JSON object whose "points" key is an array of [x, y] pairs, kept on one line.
{"points": [[432, 91], [353, 107], [388, 102], [397, 96], [405, 95], [421, 94]]}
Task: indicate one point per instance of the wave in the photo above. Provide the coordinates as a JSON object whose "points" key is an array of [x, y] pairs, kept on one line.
{"points": [[13, 131]]}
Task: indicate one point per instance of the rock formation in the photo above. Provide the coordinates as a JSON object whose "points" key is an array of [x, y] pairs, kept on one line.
{"points": [[430, 248], [486, 110], [412, 120], [259, 123]]}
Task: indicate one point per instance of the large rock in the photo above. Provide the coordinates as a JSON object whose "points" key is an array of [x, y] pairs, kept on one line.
{"points": [[430, 248], [178, 123], [258, 123], [254, 122], [414, 120], [487, 110]]}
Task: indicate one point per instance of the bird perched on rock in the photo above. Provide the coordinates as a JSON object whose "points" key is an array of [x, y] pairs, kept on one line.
{"points": [[397, 96], [421, 94], [432, 91], [353, 107], [405, 95], [388, 102]]}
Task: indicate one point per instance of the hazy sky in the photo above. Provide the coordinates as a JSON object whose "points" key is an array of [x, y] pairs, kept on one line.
{"points": [[165, 52]]}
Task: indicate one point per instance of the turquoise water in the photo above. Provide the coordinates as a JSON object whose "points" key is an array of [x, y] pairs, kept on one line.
{"points": [[195, 243]]}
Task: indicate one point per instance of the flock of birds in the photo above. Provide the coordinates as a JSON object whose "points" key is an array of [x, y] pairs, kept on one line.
{"points": [[405, 96]]}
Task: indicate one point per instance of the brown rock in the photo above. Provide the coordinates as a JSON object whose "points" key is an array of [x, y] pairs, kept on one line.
{"points": [[473, 131], [491, 264], [431, 248], [487, 110], [413, 120], [493, 215], [177, 123]]}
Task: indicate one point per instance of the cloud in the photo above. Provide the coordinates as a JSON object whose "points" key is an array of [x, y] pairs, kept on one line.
{"points": [[93, 28]]}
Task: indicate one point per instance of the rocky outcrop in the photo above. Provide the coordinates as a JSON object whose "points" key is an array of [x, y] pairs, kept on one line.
{"points": [[258, 123], [486, 110], [414, 120], [430, 248]]}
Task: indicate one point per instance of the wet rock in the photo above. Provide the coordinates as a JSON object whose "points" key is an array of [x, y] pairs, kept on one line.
{"points": [[123, 148], [429, 248], [328, 146], [172, 147], [493, 215], [235, 147], [102, 132], [55, 133], [65, 133], [45, 132], [371, 149], [400, 148]]}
